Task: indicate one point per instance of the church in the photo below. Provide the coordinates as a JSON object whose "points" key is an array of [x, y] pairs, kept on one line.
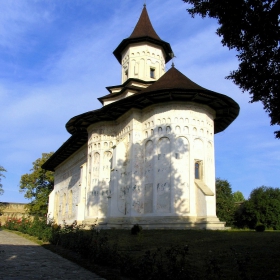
{"points": [[147, 155]]}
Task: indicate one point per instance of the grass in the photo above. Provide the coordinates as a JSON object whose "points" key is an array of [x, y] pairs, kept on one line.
{"points": [[230, 253], [211, 254]]}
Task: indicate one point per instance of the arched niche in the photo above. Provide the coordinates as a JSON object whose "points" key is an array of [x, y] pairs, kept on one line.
{"points": [[181, 175], [70, 203], [198, 149], [163, 185], [149, 177]]}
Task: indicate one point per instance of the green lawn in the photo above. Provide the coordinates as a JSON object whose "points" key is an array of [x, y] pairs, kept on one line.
{"points": [[212, 254]]}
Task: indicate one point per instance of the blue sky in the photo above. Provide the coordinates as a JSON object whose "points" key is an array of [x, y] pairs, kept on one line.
{"points": [[56, 60]]}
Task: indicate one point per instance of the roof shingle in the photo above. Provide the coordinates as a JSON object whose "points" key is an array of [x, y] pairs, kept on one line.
{"points": [[172, 79], [144, 27]]}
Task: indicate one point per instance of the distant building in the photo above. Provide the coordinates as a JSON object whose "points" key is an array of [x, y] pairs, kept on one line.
{"points": [[147, 156]]}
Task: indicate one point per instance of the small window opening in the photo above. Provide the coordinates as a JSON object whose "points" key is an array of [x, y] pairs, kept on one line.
{"points": [[152, 73], [126, 74], [111, 163], [197, 170]]}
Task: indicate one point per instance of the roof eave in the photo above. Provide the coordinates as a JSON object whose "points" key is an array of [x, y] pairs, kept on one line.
{"points": [[128, 41], [74, 143], [218, 102]]}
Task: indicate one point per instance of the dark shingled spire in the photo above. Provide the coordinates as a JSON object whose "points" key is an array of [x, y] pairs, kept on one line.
{"points": [[143, 32], [173, 79], [144, 27]]}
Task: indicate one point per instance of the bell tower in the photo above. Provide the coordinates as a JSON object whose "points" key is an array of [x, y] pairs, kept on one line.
{"points": [[143, 54]]}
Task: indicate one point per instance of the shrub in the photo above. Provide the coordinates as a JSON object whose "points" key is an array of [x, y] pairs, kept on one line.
{"points": [[260, 228], [136, 229], [37, 227]]}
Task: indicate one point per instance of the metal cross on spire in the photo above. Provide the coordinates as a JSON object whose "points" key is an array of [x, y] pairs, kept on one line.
{"points": [[172, 55]]}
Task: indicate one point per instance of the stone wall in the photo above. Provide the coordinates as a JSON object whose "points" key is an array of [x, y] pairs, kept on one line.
{"points": [[9, 209]]}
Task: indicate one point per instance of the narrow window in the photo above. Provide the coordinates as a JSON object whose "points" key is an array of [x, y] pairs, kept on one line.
{"points": [[197, 170], [152, 73], [111, 163], [126, 74]]}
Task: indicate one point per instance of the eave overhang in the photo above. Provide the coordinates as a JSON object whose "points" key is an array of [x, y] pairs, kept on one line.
{"points": [[128, 41], [226, 108], [127, 85], [74, 143]]}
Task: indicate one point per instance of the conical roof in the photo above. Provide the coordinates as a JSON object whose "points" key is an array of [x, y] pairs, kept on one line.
{"points": [[173, 79], [143, 32], [144, 27]]}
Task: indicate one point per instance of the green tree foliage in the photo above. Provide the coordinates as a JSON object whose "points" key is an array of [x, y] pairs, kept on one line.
{"points": [[224, 201], [252, 28], [2, 169], [238, 196], [262, 207], [37, 186]]}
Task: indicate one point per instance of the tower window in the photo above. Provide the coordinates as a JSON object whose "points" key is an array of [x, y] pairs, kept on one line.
{"points": [[126, 74], [152, 73]]}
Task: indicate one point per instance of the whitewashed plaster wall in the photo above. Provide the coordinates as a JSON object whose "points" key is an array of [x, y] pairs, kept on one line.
{"points": [[100, 152], [69, 186], [137, 60], [143, 163]]}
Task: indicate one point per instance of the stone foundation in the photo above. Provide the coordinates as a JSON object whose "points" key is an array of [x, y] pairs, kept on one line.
{"points": [[211, 223]]}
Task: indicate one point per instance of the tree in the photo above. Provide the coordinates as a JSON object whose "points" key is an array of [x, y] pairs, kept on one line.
{"points": [[2, 169], [252, 28], [238, 196], [262, 207], [225, 207], [37, 186]]}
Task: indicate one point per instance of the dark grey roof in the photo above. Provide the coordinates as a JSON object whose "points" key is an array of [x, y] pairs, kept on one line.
{"points": [[143, 32]]}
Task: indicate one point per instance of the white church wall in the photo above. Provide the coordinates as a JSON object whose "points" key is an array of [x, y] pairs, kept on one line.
{"points": [[51, 206], [154, 174], [140, 165], [67, 190], [180, 125], [101, 139]]}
